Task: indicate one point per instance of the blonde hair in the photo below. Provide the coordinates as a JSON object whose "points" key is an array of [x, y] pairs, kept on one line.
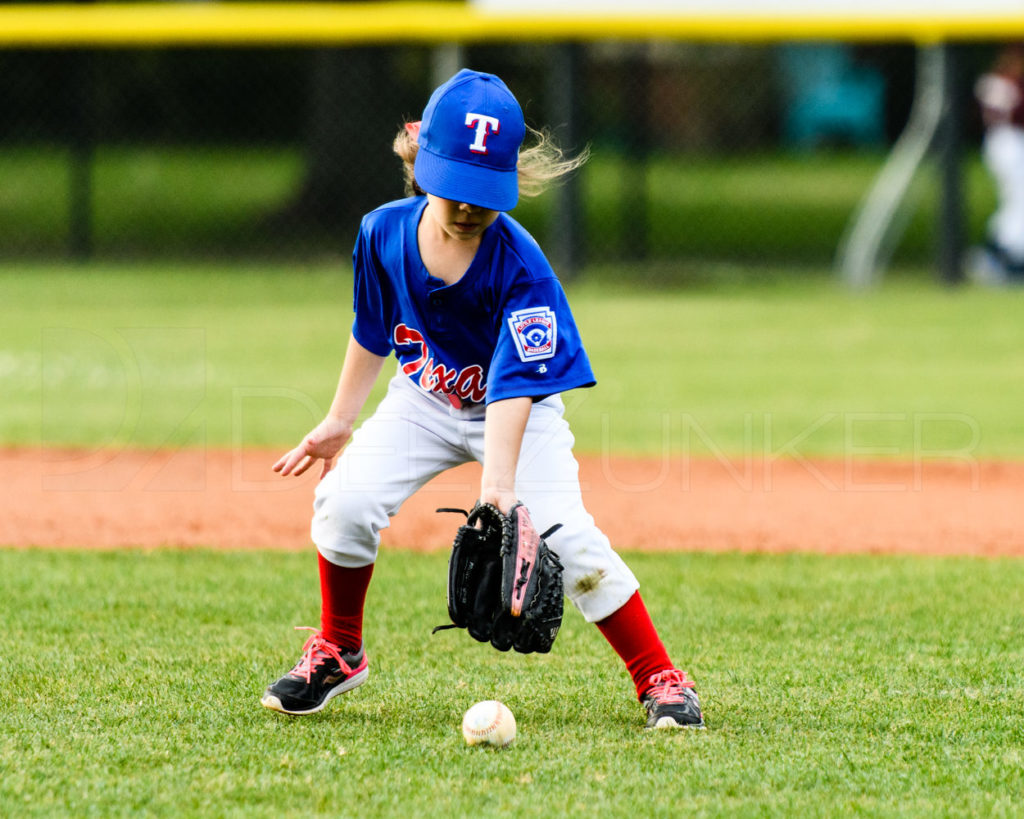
{"points": [[540, 164]]}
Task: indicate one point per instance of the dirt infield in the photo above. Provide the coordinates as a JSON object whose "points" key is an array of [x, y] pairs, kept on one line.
{"points": [[227, 499]]}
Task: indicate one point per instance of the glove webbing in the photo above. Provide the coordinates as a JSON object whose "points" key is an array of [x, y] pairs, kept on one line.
{"points": [[544, 535]]}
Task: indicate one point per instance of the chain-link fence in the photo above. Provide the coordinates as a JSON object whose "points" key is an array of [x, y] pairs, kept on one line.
{"points": [[701, 153]]}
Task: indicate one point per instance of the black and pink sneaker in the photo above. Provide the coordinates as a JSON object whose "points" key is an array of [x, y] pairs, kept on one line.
{"points": [[322, 672], [671, 701]]}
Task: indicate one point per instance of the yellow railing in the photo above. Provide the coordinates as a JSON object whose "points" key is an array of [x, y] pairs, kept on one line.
{"points": [[144, 24]]}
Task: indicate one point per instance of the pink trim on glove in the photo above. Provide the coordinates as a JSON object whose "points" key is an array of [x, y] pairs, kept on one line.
{"points": [[526, 559]]}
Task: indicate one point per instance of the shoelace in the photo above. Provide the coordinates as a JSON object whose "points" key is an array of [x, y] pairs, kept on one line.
{"points": [[315, 652], [668, 686]]}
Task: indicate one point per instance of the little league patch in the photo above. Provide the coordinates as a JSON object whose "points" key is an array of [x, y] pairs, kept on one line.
{"points": [[534, 332]]}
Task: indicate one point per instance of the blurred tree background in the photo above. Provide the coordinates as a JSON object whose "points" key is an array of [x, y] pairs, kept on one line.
{"points": [[720, 154]]}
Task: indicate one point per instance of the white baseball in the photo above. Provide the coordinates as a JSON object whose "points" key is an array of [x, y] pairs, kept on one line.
{"points": [[489, 723]]}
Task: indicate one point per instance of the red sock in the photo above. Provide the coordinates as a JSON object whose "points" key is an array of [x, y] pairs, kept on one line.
{"points": [[342, 594], [632, 635]]}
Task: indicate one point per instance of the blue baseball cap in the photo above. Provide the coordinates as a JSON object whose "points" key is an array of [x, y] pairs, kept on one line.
{"points": [[469, 142]]}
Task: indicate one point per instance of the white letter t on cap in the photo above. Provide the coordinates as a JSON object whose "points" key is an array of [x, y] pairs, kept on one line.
{"points": [[484, 125]]}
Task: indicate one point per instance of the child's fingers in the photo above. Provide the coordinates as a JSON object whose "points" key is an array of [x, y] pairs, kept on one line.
{"points": [[287, 462], [328, 465]]}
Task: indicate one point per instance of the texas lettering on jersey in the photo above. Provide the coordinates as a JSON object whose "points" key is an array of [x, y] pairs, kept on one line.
{"points": [[456, 385]]}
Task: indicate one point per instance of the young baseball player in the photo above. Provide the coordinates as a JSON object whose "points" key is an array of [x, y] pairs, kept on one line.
{"points": [[485, 342]]}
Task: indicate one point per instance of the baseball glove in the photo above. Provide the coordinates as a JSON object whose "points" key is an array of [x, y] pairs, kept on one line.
{"points": [[504, 582]]}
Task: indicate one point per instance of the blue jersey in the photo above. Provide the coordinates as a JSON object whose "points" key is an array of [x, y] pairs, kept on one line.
{"points": [[504, 330]]}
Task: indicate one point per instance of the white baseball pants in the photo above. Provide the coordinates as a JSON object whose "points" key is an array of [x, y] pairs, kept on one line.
{"points": [[413, 436], [1003, 152]]}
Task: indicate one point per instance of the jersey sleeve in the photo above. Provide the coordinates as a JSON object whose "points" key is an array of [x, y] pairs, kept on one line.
{"points": [[368, 301], [539, 351]]}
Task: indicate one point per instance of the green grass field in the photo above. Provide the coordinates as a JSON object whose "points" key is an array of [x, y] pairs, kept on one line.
{"points": [[179, 356], [880, 686], [832, 686]]}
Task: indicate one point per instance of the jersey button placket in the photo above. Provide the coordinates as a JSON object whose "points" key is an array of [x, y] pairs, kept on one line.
{"points": [[437, 313]]}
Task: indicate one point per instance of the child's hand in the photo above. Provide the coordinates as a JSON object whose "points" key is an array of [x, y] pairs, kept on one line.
{"points": [[504, 499], [323, 443]]}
